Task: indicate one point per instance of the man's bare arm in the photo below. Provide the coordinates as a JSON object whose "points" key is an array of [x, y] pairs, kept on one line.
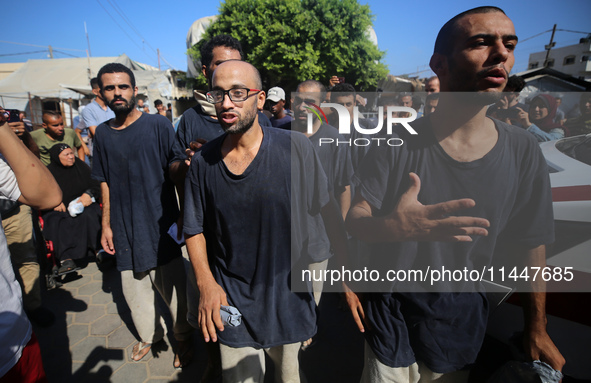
{"points": [[345, 201], [412, 221], [107, 232], [537, 342], [91, 130], [37, 185], [211, 294]]}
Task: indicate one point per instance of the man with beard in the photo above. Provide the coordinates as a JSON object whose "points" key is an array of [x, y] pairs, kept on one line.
{"points": [[53, 132], [501, 175], [132, 155], [244, 190]]}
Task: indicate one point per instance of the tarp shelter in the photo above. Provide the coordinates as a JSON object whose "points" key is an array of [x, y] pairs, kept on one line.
{"points": [[63, 79], [195, 35]]}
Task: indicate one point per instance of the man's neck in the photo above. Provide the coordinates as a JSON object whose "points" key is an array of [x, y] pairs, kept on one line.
{"points": [[239, 150], [280, 114], [462, 128], [123, 120], [52, 138]]}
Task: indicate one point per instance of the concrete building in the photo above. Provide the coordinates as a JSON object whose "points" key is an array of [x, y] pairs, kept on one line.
{"points": [[574, 60]]}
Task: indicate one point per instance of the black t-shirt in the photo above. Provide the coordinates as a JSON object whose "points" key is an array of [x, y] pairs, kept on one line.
{"points": [[195, 124], [134, 163], [252, 224], [511, 188]]}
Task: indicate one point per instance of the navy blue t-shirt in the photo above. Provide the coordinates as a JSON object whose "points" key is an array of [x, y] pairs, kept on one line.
{"points": [[253, 223], [195, 124], [511, 188], [134, 163]]}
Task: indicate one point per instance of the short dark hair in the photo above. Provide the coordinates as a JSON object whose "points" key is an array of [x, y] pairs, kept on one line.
{"points": [[157, 102], [50, 113], [515, 83], [219, 41], [344, 89], [446, 36], [115, 68], [388, 99], [317, 84], [94, 83]]}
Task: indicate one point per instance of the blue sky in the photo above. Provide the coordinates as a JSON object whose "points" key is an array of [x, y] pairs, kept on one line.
{"points": [[405, 31]]}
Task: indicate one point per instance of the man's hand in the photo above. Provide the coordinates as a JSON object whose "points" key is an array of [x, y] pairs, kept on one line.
{"points": [[211, 298], [85, 199], [61, 208], [334, 80], [412, 221], [355, 306], [193, 147], [17, 127], [523, 117], [539, 346], [107, 240]]}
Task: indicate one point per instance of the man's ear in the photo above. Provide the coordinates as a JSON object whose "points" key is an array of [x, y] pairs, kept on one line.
{"points": [[438, 64], [204, 70], [261, 97]]}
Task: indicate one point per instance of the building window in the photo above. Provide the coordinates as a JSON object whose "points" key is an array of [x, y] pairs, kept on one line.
{"points": [[584, 59], [568, 60], [533, 65], [550, 63]]}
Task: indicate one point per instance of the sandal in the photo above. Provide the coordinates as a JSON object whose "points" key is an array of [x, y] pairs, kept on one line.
{"points": [[185, 354], [67, 266], [140, 350]]}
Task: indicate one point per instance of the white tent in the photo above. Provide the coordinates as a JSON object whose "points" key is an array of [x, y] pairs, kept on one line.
{"points": [[63, 79]]}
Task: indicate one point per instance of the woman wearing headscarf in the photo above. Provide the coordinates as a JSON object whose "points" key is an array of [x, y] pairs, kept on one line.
{"points": [[74, 226], [540, 119]]}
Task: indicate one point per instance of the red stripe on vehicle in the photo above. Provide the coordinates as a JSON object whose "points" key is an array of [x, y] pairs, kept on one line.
{"points": [[571, 193]]}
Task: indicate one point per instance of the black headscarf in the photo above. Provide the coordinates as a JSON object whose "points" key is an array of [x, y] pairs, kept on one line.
{"points": [[73, 180]]}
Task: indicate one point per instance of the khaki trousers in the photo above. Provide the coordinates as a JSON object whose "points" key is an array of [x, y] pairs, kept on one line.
{"points": [[19, 236]]}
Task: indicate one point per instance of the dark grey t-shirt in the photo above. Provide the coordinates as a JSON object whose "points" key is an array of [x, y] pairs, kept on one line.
{"points": [[252, 224], [134, 163], [511, 188]]}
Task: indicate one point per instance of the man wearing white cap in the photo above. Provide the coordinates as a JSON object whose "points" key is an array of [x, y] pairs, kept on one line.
{"points": [[276, 97]]}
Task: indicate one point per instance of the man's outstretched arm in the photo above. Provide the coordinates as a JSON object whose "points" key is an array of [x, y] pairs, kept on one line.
{"points": [[412, 221]]}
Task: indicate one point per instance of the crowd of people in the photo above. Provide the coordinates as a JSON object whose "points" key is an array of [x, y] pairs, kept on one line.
{"points": [[249, 184]]}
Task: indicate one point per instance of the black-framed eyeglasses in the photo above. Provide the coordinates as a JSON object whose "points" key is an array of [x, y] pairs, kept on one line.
{"points": [[235, 95]]}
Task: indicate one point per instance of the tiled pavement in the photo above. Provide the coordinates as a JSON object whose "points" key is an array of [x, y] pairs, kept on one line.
{"points": [[93, 335]]}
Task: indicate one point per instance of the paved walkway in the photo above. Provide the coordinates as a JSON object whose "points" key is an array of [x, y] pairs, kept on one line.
{"points": [[93, 335]]}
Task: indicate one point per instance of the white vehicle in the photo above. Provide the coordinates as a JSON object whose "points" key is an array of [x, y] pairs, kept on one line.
{"points": [[569, 312]]}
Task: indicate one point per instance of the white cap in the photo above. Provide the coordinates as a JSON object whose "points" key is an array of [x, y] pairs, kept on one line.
{"points": [[276, 94]]}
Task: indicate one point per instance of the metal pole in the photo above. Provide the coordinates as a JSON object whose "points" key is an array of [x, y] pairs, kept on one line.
{"points": [[158, 50], [550, 46], [50, 52]]}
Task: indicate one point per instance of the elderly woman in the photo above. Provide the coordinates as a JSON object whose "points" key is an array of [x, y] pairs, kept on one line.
{"points": [[540, 119], [74, 226]]}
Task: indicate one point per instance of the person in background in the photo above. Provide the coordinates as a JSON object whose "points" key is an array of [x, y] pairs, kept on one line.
{"points": [[432, 85], [75, 233], [53, 132], [133, 152], [582, 123], [539, 121], [276, 100]]}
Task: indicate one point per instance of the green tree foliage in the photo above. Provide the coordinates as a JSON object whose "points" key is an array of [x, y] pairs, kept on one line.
{"points": [[290, 41]]}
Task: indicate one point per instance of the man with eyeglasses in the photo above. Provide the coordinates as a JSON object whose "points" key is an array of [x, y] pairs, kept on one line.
{"points": [[132, 154], [239, 210]]}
